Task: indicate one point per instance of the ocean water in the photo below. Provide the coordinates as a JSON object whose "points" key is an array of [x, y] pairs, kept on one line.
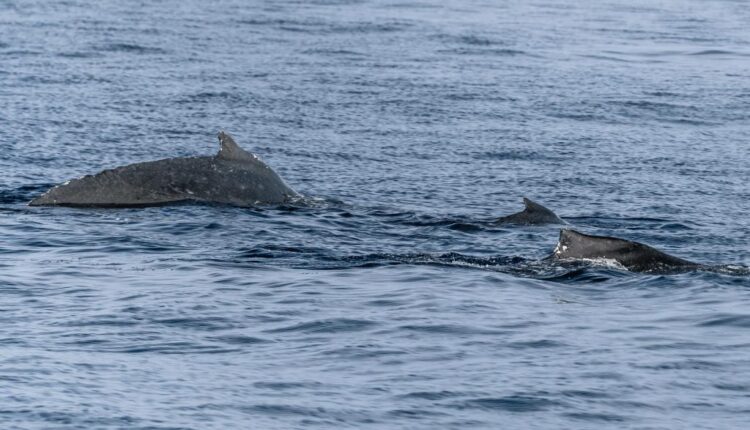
{"points": [[390, 303]]}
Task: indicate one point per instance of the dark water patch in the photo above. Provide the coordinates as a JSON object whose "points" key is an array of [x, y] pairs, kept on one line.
{"points": [[202, 323], [536, 344], [335, 52], [233, 97], [513, 403], [594, 417], [719, 52], [105, 321], [513, 155], [579, 273], [337, 325], [266, 21], [466, 228], [675, 226], [415, 414], [467, 40], [745, 388], [371, 27], [287, 385], [687, 364], [434, 395], [452, 329], [178, 348], [321, 27], [728, 320], [282, 410], [695, 346], [23, 194], [326, 417], [586, 394], [78, 54], [364, 352], [606, 58], [387, 303], [239, 339], [412, 5], [22, 53], [130, 48], [483, 52], [658, 107], [87, 342], [269, 251]]}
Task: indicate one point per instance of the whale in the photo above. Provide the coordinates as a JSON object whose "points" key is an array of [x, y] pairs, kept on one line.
{"points": [[233, 176], [634, 256], [532, 214]]}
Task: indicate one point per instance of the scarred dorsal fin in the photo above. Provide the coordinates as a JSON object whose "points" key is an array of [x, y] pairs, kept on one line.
{"points": [[231, 151]]}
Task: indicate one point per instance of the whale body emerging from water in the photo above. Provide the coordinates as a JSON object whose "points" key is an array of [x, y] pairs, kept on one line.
{"points": [[633, 256], [232, 176], [533, 214]]}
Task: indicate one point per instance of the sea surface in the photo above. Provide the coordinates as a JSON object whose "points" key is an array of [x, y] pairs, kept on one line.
{"points": [[388, 301]]}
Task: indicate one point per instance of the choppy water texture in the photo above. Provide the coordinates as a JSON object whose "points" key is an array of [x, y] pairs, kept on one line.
{"points": [[390, 304]]}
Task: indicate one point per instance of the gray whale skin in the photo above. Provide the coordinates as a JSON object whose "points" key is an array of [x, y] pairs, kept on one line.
{"points": [[532, 214], [233, 176], [633, 256]]}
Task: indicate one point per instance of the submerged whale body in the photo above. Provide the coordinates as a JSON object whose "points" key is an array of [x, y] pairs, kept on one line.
{"points": [[232, 176], [633, 256], [533, 214]]}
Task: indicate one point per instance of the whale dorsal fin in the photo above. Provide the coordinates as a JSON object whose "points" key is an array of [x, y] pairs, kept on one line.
{"points": [[231, 151], [532, 214], [533, 207]]}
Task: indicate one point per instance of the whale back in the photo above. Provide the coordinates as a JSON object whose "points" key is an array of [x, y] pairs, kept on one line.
{"points": [[232, 176], [632, 255]]}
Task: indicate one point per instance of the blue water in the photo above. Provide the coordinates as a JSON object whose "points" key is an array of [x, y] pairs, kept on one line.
{"points": [[391, 303]]}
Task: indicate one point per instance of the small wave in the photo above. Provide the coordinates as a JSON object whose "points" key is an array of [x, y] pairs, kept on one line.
{"points": [[449, 259], [606, 57], [77, 54], [675, 226], [372, 27], [238, 339], [324, 27], [501, 52], [170, 348], [475, 40], [512, 154], [514, 403], [536, 344], [22, 52], [443, 329], [467, 39], [212, 97], [130, 48], [102, 321], [717, 52], [728, 320], [334, 52], [592, 416], [337, 325], [730, 269], [433, 395], [206, 323]]}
